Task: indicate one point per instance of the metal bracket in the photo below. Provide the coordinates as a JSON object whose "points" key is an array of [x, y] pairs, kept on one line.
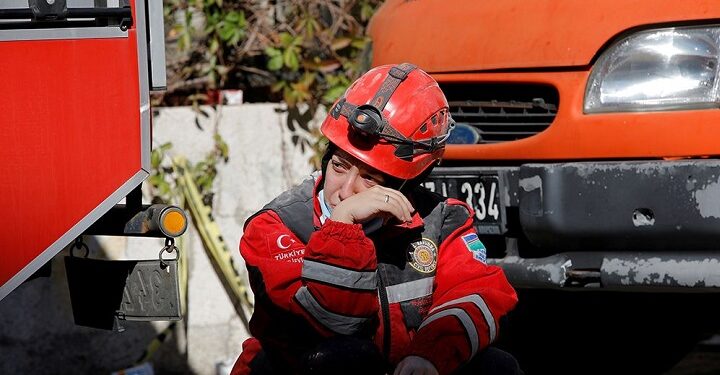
{"points": [[136, 219], [48, 10], [42, 13]]}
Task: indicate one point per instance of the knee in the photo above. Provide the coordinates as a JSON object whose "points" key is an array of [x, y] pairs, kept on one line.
{"points": [[345, 355], [506, 362], [492, 361]]}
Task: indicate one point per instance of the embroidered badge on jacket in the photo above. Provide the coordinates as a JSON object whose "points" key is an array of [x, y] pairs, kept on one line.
{"points": [[285, 248], [475, 246], [423, 255]]}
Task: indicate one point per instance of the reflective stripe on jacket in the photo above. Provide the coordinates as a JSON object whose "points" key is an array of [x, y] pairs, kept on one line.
{"points": [[422, 280]]}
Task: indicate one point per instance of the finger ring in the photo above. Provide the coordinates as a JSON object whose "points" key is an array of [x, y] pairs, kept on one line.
{"points": [[387, 198]]}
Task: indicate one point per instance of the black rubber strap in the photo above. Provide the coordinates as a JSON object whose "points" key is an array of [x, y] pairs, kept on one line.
{"points": [[342, 107], [389, 130], [396, 75]]}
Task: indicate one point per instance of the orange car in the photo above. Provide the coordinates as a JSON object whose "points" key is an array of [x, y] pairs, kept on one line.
{"points": [[587, 140]]}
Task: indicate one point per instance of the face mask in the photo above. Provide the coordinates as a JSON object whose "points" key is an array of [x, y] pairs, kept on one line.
{"points": [[326, 210]]}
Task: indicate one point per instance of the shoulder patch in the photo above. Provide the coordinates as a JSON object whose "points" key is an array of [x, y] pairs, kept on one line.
{"points": [[284, 247], [475, 246], [423, 255]]}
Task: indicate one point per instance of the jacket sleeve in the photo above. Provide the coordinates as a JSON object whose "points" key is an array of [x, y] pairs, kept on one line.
{"points": [[331, 281], [469, 299]]}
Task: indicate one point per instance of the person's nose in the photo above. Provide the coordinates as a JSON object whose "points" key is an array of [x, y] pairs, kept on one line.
{"points": [[351, 185]]}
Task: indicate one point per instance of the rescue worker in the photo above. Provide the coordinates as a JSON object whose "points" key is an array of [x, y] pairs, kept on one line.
{"points": [[360, 270]]}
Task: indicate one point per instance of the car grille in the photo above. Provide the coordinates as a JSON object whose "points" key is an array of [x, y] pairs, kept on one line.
{"points": [[502, 112]]}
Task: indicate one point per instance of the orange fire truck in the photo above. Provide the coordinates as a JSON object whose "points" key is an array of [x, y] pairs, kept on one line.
{"points": [[75, 141], [587, 141]]}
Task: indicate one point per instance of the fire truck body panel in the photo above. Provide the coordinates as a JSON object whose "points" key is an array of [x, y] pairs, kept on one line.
{"points": [[75, 124]]}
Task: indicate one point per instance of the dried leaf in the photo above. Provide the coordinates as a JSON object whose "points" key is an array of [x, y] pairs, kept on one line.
{"points": [[340, 43]]}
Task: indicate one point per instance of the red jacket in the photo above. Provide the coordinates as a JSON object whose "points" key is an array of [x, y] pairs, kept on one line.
{"points": [[427, 281]]}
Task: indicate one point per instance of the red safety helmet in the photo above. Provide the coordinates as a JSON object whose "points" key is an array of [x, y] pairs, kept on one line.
{"points": [[393, 118]]}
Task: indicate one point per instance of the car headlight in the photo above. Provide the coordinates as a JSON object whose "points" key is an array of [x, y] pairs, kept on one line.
{"points": [[661, 69]]}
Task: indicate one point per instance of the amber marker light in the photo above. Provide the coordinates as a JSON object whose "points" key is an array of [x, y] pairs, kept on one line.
{"points": [[173, 222]]}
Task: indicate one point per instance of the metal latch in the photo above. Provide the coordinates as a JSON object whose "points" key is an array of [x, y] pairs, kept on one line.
{"points": [[47, 10]]}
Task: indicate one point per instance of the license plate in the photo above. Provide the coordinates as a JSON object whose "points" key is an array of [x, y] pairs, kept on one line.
{"points": [[103, 291], [479, 191]]}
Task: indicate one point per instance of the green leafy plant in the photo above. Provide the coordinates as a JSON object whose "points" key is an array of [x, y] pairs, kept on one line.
{"points": [[297, 51], [162, 177], [158, 178], [304, 53]]}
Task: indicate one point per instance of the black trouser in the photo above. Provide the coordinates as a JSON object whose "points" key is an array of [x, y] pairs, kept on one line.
{"points": [[491, 361], [351, 356]]}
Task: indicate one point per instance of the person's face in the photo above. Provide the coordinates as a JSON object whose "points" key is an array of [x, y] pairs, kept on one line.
{"points": [[346, 176]]}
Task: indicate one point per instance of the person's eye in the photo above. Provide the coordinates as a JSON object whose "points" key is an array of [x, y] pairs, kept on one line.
{"points": [[338, 166], [372, 181]]}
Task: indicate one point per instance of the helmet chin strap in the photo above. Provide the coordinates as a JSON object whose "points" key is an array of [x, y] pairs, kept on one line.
{"points": [[402, 185]]}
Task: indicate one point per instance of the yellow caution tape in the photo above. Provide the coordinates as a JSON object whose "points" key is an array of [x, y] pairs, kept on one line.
{"points": [[156, 342], [182, 274], [217, 252], [213, 243], [182, 271]]}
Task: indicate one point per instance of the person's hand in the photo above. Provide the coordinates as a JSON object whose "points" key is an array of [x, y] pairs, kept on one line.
{"points": [[378, 201], [413, 365]]}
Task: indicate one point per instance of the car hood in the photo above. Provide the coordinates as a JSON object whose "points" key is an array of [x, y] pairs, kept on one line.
{"points": [[477, 35]]}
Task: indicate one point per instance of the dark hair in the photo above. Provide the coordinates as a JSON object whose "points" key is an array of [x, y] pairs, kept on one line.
{"points": [[405, 186], [329, 151]]}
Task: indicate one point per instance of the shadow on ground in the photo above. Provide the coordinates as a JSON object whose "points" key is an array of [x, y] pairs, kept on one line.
{"points": [[38, 335]]}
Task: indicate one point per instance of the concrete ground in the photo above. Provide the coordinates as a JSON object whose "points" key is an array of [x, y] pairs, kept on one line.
{"points": [[704, 360]]}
